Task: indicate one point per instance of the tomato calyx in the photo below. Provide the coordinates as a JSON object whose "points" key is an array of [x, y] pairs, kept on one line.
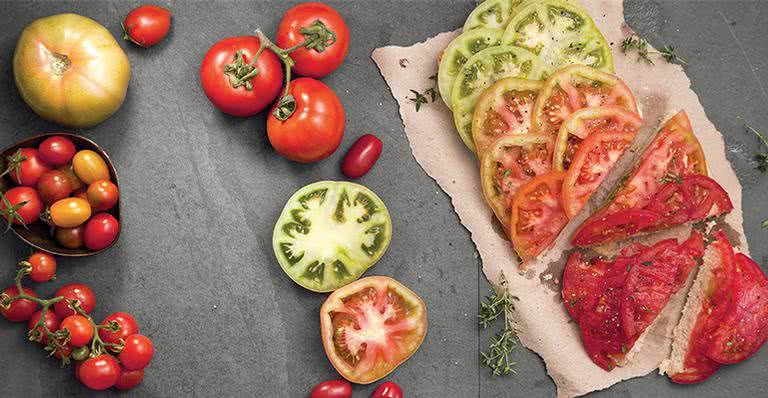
{"points": [[317, 37], [241, 72], [14, 164], [11, 212]]}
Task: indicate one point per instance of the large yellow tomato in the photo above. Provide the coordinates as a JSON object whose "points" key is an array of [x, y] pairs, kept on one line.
{"points": [[70, 70]]}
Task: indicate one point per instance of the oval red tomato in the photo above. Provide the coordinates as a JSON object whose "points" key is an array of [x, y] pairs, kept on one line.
{"points": [[388, 390], [102, 195], [80, 330], [227, 76], [332, 389], [53, 186], [137, 352], [43, 266], [314, 130], [126, 322], [19, 310], [30, 169], [361, 156], [310, 23], [129, 379], [101, 231], [100, 373], [74, 291], [50, 320], [147, 25], [25, 205], [70, 238], [57, 151]]}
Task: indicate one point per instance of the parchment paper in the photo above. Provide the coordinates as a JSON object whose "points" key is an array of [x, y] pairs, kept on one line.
{"points": [[540, 317]]}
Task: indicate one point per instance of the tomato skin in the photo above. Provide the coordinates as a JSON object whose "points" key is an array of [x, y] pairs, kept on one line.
{"points": [[101, 231], [80, 330], [102, 195], [240, 101], [137, 353], [70, 238], [361, 156], [57, 151], [315, 130], [332, 389], [43, 266], [70, 212], [147, 25], [74, 181], [74, 291], [128, 326], [310, 62], [30, 169], [30, 212], [90, 167], [129, 379], [54, 186], [100, 373], [388, 389], [20, 310], [51, 321]]}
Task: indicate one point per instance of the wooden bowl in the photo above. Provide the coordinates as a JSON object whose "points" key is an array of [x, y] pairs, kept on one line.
{"points": [[38, 234]]}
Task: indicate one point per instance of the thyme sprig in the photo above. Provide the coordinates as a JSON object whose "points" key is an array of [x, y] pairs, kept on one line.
{"points": [[762, 157], [428, 96], [643, 53], [496, 306]]}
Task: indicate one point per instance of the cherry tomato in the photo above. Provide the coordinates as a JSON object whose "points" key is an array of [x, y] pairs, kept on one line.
{"points": [[332, 389], [71, 238], [315, 129], [102, 195], [227, 63], [127, 323], [101, 231], [70, 212], [327, 51], [57, 151], [129, 379], [19, 310], [388, 389], [74, 181], [81, 353], [147, 25], [361, 156], [74, 291], [66, 351], [54, 186], [51, 321], [43, 266], [30, 170], [80, 330], [137, 352], [90, 167], [25, 213], [100, 373]]}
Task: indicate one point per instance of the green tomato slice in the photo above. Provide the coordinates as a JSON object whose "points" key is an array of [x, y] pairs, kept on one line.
{"points": [[330, 233], [492, 14], [560, 34], [480, 72], [458, 52]]}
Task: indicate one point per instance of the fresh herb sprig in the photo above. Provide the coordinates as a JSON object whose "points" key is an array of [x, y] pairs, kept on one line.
{"points": [[762, 157], [643, 53], [496, 306], [428, 96]]}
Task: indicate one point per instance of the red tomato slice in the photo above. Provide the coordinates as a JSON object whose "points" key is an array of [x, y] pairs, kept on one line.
{"points": [[580, 278], [537, 214], [614, 226], [744, 328], [575, 87], [370, 327], [705, 197], [591, 164]]}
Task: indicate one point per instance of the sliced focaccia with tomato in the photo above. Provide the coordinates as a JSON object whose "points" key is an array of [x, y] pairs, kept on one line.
{"points": [[614, 301], [725, 319], [669, 186]]}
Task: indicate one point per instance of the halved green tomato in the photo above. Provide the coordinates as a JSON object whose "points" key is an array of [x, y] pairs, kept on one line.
{"points": [[370, 327], [482, 70], [329, 233], [575, 87], [560, 34], [458, 52], [509, 163], [492, 14], [505, 108], [586, 122]]}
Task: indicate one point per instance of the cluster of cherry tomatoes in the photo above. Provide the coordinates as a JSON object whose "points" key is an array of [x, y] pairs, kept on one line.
{"points": [[70, 189], [110, 354]]}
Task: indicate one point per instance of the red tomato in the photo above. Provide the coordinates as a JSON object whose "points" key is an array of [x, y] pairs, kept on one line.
{"points": [[614, 226], [80, 330], [315, 129], [147, 25], [57, 151], [102, 195], [19, 310], [537, 214], [101, 231], [230, 60], [580, 278], [43, 266], [137, 352], [51, 321], [29, 170], [127, 323], [100, 373], [74, 291], [388, 390], [332, 389], [361, 156], [70, 238], [25, 208], [129, 379], [326, 50], [54, 186]]}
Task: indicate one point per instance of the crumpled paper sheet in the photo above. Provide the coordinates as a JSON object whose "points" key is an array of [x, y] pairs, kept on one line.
{"points": [[540, 317]]}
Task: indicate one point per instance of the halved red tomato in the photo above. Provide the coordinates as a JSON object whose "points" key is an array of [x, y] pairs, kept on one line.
{"points": [[371, 326], [508, 164], [505, 108], [575, 87], [537, 214], [591, 164], [589, 121]]}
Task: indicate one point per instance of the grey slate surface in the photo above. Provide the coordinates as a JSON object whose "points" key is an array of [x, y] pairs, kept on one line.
{"points": [[201, 192]]}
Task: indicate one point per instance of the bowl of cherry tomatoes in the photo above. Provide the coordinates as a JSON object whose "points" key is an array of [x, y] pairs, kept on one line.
{"points": [[60, 194]]}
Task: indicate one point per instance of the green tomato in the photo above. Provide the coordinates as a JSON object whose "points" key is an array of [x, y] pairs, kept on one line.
{"points": [[330, 233], [458, 52], [492, 14]]}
